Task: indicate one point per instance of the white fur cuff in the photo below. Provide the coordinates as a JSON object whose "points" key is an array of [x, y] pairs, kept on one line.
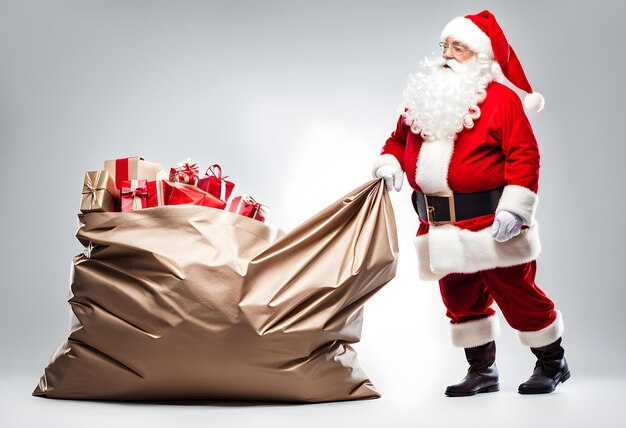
{"points": [[543, 337], [521, 201], [385, 159], [447, 249], [452, 249], [470, 334]]}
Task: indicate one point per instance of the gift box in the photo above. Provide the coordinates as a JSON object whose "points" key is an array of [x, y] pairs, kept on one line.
{"points": [[186, 172], [248, 207], [133, 195], [159, 192], [216, 184], [99, 192], [133, 168], [183, 194]]}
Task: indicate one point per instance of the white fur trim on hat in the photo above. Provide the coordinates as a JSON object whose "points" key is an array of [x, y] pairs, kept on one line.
{"points": [[543, 337], [534, 102], [468, 33], [385, 159], [450, 249], [474, 333], [519, 200]]}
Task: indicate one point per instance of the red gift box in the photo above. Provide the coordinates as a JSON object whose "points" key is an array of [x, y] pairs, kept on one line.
{"points": [[248, 207], [133, 195], [186, 194], [186, 172], [159, 192], [216, 184]]}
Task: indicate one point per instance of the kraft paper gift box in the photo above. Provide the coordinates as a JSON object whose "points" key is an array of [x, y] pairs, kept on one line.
{"points": [[132, 168], [99, 192]]}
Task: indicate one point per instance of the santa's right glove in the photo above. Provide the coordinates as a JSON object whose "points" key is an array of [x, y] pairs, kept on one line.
{"points": [[393, 177], [506, 225]]}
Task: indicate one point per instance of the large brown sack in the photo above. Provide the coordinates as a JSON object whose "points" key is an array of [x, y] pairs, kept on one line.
{"points": [[187, 302]]}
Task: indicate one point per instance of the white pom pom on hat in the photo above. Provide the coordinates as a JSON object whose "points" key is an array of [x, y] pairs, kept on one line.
{"points": [[482, 34], [534, 102]]}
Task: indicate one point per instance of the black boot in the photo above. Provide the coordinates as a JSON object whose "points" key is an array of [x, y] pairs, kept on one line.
{"points": [[482, 375], [550, 370]]}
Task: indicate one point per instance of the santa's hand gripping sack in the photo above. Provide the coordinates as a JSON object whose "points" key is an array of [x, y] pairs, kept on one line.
{"points": [[469, 152]]}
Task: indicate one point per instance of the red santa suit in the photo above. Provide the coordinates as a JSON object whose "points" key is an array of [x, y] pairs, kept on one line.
{"points": [[473, 268]]}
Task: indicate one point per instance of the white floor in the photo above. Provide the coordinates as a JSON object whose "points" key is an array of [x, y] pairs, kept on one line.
{"points": [[581, 402], [404, 350]]}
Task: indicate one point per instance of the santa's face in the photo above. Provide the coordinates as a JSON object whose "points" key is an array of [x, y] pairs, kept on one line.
{"points": [[454, 49]]}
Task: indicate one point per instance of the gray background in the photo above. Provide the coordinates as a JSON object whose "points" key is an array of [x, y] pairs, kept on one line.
{"points": [[295, 99]]}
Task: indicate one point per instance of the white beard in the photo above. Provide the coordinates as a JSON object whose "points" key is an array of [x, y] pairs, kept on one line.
{"points": [[441, 101]]}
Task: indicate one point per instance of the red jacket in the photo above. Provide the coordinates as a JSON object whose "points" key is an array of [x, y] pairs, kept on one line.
{"points": [[499, 150]]}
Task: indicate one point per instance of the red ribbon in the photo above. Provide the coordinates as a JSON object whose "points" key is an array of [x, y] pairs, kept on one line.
{"points": [[216, 171], [213, 168], [138, 191], [121, 170]]}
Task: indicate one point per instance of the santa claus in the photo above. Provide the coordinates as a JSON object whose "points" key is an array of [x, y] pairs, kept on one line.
{"points": [[469, 153]]}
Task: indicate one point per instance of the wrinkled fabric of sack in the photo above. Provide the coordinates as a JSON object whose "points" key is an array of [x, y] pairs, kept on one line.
{"points": [[187, 302]]}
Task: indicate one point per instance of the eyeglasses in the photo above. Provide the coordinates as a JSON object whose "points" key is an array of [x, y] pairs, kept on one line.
{"points": [[457, 50]]}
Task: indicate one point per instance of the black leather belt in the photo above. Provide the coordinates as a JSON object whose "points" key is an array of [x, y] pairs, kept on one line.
{"points": [[446, 209]]}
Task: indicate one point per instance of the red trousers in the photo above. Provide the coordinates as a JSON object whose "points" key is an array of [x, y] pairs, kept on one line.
{"points": [[468, 297]]}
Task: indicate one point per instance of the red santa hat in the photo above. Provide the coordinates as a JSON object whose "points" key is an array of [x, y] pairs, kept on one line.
{"points": [[482, 34]]}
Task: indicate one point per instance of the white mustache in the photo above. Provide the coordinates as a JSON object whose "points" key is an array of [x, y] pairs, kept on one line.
{"points": [[457, 66], [440, 62]]}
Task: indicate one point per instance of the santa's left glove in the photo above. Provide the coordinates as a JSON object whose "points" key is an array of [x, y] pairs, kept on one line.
{"points": [[506, 225], [393, 177]]}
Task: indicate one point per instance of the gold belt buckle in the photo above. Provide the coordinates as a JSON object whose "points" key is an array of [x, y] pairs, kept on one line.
{"points": [[430, 210]]}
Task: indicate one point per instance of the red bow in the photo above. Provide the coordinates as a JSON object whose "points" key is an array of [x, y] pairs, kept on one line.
{"points": [[216, 171], [186, 173], [137, 190]]}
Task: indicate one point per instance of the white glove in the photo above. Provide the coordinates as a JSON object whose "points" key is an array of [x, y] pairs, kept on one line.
{"points": [[506, 225], [393, 177]]}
